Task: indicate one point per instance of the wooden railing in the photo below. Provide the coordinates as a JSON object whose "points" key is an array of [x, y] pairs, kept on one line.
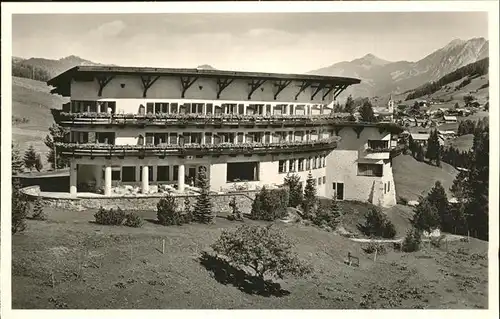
{"points": [[162, 150]]}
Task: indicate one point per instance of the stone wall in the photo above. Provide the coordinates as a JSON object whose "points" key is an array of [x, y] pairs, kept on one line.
{"points": [[220, 202]]}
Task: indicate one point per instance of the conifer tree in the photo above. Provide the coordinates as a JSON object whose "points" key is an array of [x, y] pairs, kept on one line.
{"points": [[295, 190], [335, 214], [310, 201], [17, 161], [30, 158], [437, 198], [203, 207], [433, 147], [57, 134], [349, 105], [426, 217], [38, 163], [366, 112]]}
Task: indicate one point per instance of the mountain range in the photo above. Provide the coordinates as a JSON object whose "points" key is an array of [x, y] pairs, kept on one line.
{"points": [[379, 77]]}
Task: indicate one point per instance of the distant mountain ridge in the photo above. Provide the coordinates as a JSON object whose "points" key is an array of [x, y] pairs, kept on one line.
{"points": [[48, 66], [381, 77]]}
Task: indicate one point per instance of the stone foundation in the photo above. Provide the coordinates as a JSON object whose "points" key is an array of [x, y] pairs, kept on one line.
{"points": [[220, 202]]}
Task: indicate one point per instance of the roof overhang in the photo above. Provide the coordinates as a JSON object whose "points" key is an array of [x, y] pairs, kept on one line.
{"points": [[63, 80]]}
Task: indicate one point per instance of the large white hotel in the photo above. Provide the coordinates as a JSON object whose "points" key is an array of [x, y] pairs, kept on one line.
{"points": [[156, 126]]}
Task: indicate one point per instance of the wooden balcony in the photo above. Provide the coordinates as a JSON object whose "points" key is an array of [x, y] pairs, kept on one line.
{"points": [[106, 150], [197, 120]]}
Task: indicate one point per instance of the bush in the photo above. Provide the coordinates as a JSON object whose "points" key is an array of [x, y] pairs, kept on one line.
{"points": [[412, 240], [328, 217], [264, 249], [188, 211], [38, 212], [236, 213], [167, 212], [372, 247], [19, 208], [437, 241], [378, 225], [110, 216], [133, 220], [270, 204], [402, 200]]}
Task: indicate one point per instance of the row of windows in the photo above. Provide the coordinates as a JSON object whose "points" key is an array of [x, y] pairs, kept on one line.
{"points": [[204, 108], [128, 173], [301, 164], [202, 138], [370, 169]]}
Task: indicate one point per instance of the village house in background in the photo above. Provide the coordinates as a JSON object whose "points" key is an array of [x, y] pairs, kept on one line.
{"points": [[149, 130]]}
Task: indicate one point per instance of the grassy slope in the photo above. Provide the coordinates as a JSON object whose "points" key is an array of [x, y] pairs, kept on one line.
{"points": [[32, 100], [124, 268], [457, 96], [413, 178], [463, 143]]}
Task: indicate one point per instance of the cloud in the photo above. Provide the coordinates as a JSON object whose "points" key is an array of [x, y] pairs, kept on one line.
{"points": [[109, 29]]}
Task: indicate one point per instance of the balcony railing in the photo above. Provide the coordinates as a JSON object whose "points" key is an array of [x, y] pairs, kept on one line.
{"points": [[161, 150], [169, 119], [378, 150]]}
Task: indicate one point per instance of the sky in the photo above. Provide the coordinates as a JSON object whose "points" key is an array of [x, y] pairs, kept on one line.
{"points": [[268, 42]]}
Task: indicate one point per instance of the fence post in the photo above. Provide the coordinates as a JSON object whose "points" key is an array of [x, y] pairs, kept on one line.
{"points": [[52, 279], [163, 247], [375, 257]]}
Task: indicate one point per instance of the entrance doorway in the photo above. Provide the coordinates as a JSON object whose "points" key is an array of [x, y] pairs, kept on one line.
{"points": [[191, 178]]}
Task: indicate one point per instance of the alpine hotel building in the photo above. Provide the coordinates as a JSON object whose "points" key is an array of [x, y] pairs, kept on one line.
{"points": [[156, 126]]}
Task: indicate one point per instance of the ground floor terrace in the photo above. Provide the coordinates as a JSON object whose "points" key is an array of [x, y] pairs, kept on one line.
{"points": [[151, 175]]}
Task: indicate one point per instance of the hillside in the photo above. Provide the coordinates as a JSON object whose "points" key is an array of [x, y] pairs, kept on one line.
{"points": [[46, 68], [32, 100], [380, 77], [117, 267], [413, 179], [465, 73]]}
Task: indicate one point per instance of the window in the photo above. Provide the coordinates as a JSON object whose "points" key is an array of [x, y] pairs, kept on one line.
{"points": [[105, 137], [319, 180], [314, 163], [324, 161], [301, 164], [291, 165], [163, 173], [291, 108], [385, 188], [176, 172], [282, 167], [174, 108], [208, 138], [173, 138], [239, 138], [128, 174], [268, 109], [324, 179], [116, 174], [370, 170], [149, 138], [241, 109], [150, 108], [160, 138], [378, 144], [388, 186], [242, 172], [210, 108], [338, 190], [196, 138], [308, 164], [267, 137]]}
